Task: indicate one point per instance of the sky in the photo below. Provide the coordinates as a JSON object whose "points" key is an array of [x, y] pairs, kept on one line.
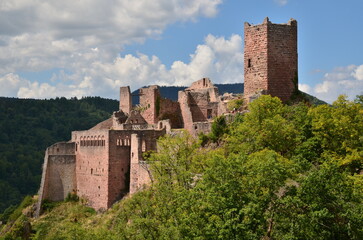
{"points": [[76, 48]]}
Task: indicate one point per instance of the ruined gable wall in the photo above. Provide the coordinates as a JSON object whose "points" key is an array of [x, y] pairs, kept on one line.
{"points": [[59, 175], [255, 58], [92, 166], [156, 108], [171, 110], [201, 107], [282, 59], [150, 101], [125, 100], [202, 83]]}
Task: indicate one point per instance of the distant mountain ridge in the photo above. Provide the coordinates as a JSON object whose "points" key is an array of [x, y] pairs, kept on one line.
{"points": [[171, 92]]}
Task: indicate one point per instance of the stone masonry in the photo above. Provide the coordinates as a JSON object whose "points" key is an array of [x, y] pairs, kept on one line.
{"points": [[104, 163], [270, 59]]}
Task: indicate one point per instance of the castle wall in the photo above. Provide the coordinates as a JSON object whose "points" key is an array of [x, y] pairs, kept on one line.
{"points": [[119, 165], [92, 166], [138, 174], [170, 109], [58, 177], [183, 99], [270, 59], [201, 127], [141, 142], [201, 106], [156, 108]]}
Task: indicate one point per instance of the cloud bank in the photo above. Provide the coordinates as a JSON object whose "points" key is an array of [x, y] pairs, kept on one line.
{"points": [[79, 35], [218, 58], [346, 80]]}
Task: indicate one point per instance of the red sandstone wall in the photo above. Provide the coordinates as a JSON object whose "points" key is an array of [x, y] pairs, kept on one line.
{"points": [[183, 100], [92, 166], [202, 83], [171, 110], [270, 59], [148, 100], [139, 171], [255, 59], [201, 107], [119, 165], [59, 172], [125, 100], [282, 59]]}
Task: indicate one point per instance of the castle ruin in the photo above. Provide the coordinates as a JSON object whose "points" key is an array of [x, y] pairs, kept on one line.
{"points": [[105, 163]]}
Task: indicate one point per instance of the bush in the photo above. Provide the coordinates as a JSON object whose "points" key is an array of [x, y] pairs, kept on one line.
{"points": [[235, 104], [72, 197]]}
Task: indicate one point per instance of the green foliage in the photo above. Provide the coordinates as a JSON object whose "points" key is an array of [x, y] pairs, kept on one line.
{"points": [[284, 172], [6, 214], [15, 214], [28, 127], [72, 197], [276, 178], [218, 129], [235, 104], [17, 224]]}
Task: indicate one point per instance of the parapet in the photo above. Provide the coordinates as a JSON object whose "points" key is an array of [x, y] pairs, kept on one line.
{"points": [[266, 21]]}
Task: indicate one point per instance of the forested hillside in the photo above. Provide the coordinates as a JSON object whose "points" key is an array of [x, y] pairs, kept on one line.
{"points": [[276, 172], [28, 127]]}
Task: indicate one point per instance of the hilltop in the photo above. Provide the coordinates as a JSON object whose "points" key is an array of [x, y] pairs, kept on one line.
{"points": [[250, 179]]}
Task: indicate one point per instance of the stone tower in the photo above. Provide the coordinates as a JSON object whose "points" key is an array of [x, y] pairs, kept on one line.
{"points": [[270, 59], [150, 101], [125, 100]]}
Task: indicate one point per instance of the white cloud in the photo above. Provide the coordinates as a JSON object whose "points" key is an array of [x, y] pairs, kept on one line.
{"points": [[342, 80], [10, 83], [77, 35], [305, 88], [358, 73], [218, 58]]}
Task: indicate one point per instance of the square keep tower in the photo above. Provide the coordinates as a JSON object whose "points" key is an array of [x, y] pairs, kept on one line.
{"points": [[270, 59]]}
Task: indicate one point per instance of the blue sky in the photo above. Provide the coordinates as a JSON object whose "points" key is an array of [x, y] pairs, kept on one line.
{"points": [[90, 48]]}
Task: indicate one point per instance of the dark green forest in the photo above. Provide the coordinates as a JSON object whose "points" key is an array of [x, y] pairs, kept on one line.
{"points": [[28, 127], [276, 172]]}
